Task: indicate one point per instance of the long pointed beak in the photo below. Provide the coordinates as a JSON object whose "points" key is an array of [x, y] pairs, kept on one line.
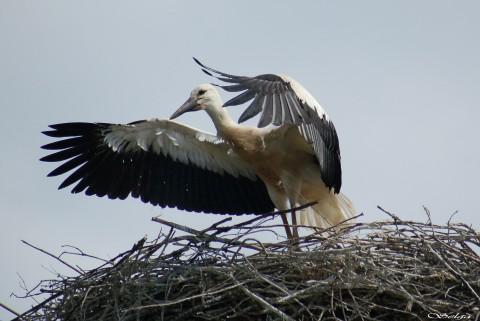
{"points": [[189, 105]]}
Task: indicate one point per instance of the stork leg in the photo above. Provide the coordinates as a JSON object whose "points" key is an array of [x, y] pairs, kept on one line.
{"points": [[295, 238], [294, 222], [280, 201], [286, 226], [292, 185]]}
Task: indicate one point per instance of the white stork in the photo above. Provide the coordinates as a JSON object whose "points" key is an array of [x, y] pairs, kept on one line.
{"points": [[241, 170]]}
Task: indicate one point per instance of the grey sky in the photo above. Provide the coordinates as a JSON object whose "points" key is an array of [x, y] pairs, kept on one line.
{"points": [[399, 79]]}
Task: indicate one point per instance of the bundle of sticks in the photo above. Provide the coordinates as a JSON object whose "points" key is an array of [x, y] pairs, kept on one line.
{"points": [[392, 269]]}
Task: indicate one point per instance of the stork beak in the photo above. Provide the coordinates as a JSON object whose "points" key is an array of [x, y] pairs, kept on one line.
{"points": [[189, 105]]}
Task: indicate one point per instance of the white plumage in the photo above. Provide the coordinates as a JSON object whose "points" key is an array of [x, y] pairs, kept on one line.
{"points": [[181, 143]]}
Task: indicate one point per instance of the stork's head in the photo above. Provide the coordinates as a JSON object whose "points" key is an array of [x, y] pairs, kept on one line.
{"points": [[203, 97]]}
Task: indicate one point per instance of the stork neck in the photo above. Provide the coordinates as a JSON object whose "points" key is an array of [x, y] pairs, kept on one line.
{"points": [[221, 119]]}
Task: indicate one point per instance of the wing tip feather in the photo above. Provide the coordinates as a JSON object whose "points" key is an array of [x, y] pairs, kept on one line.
{"points": [[198, 62], [207, 72]]}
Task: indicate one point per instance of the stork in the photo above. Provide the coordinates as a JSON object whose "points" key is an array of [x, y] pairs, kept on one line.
{"points": [[241, 170]]}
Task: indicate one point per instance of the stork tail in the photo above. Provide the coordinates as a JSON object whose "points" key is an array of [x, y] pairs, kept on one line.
{"points": [[331, 211]]}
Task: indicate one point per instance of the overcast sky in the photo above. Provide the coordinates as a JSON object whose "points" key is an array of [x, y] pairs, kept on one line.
{"points": [[400, 80]]}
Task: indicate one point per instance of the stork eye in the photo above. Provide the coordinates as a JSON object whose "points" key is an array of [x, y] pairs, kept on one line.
{"points": [[201, 92]]}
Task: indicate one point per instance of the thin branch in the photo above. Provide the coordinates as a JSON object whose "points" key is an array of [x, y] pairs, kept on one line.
{"points": [[454, 272], [175, 302], [263, 302], [202, 235], [54, 256], [6, 307]]}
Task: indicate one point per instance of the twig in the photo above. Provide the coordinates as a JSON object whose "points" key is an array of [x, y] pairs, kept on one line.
{"points": [[454, 272], [6, 307], [395, 217], [175, 302], [202, 235], [262, 301], [54, 256]]}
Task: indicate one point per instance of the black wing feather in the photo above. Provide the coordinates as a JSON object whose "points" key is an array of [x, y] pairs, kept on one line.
{"points": [[254, 108], [240, 99], [323, 137], [154, 178]]}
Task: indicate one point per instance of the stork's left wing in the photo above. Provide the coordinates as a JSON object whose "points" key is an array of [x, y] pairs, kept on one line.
{"points": [[281, 100], [159, 161]]}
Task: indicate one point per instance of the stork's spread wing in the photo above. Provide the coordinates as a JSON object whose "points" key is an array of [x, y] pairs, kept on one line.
{"points": [[158, 161], [282, 100]]}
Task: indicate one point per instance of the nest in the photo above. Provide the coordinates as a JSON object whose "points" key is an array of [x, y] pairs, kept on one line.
{"points": [[394, 269]]}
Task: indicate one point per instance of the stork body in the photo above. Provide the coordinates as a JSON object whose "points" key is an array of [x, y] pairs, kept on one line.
{"points": [[287, 166], [284, 161], [241, 170]]}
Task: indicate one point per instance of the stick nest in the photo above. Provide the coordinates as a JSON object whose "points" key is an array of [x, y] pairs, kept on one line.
{"points": [[389, 270]]}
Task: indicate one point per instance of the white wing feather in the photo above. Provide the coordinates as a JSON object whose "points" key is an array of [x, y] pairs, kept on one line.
{"points": [[305, 96], [179, 142]]}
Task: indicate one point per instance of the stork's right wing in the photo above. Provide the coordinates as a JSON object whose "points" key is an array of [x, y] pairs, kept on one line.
{"points": [[283, 101], [159, 161], [280, 99]]}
